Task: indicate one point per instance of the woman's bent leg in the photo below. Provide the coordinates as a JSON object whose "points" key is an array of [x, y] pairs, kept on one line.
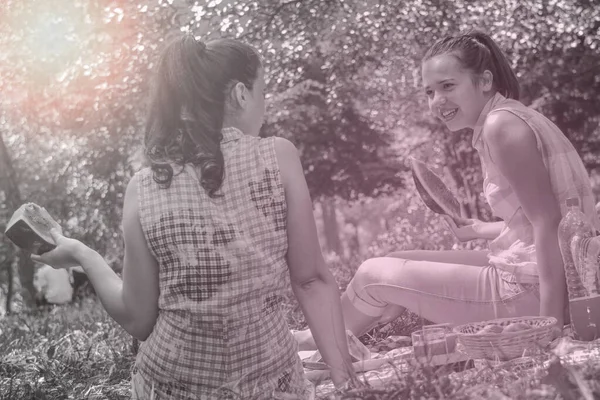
{"points": [[466, 257], [439, 292]]}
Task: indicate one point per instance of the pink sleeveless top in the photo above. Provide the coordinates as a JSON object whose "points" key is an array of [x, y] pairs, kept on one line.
{"points": [[514, 249]]}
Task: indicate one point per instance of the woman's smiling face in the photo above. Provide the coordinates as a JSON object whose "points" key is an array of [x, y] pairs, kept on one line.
{"points": [[455, 95]]}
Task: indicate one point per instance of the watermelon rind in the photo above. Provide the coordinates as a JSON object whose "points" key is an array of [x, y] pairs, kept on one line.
{"points": [[433, 191], [29, 228]]}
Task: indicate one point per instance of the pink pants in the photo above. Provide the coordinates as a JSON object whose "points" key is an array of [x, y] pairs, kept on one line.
{"points": [[440, 292]]}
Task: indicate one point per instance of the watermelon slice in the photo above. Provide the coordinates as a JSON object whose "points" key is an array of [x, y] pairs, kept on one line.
{"points": [[29, 228], [433, 191]]}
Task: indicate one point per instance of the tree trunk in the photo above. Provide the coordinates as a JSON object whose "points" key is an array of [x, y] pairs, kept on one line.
{"points": [[356, 239], [330, 226], [13, 201], [9, 286]]}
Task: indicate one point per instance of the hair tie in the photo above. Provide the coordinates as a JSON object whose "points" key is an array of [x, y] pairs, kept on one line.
{"points": [[476, 39]]}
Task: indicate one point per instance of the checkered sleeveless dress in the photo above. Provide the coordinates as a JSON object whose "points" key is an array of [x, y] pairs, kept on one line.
{"points": [[221, 332]]}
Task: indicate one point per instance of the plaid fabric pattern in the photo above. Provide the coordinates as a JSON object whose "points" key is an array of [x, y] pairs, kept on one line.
{"points": [[221, 333], [514, 249]]}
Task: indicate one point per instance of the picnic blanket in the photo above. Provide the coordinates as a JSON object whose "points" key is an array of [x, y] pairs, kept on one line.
{"points": [[395, 358], [385, 362]]}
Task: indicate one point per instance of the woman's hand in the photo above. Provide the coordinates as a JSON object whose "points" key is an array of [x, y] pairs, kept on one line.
{"points": [[344, 381], [469, 229], [65, 255], [464, 229]]}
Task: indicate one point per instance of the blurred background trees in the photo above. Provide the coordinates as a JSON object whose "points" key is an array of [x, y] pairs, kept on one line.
{"points": [[344, 85]]}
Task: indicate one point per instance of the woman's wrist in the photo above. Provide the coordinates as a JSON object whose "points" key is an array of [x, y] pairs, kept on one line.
{"points": [[83, 253], [342, 380], [488, 230]]}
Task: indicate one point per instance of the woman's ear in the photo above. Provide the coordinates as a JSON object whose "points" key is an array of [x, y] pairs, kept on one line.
{"points": [[487, 81], [239, 95]]}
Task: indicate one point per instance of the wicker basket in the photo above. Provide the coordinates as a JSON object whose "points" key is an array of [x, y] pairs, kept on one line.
{"points": [[506, 345]]}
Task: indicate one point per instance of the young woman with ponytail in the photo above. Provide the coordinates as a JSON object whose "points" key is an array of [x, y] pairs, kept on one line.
{"points": [[211, 229], [530, 169]]}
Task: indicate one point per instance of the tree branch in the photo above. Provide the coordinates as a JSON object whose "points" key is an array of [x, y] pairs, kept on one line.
{"points": [[270, 18]]}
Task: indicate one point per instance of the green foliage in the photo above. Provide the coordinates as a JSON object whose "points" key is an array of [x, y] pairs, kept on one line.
{"points": [[73, 352], [344, 78], [343, 82], [343, 154], [78, 352]]}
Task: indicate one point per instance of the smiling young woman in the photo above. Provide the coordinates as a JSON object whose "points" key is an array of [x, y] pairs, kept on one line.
{"points": [[530, 168]]}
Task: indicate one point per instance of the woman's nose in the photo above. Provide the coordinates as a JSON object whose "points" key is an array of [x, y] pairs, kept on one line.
{"points": [[438, 100]]}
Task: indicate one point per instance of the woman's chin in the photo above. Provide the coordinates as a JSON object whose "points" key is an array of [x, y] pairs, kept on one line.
{"points": [[454, 126]]}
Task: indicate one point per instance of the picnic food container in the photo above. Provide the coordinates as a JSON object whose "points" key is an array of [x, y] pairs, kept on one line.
{"points": [[433, 340], [29, 228], [518, 337]]}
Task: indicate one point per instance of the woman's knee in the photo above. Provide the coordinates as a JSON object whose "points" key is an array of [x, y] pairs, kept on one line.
{"points": [[371, 271]]}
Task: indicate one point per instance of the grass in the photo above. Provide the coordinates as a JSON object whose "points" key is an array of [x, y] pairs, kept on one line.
{"points": [[78, 352], [68, 352]]}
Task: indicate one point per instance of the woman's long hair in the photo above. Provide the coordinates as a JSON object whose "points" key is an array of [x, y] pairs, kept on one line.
{"points": [[188, 104]]}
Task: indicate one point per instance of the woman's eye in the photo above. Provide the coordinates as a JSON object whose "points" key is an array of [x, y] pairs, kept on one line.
{"points": [[429, 92], [448, 85]]}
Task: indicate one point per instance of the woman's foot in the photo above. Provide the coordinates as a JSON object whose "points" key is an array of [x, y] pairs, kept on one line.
{"points": [[305, 340]]}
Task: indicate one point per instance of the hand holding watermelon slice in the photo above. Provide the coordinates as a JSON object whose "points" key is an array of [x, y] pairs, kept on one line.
{"points": [[464, 229], [29, 228], [470, 229]]}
